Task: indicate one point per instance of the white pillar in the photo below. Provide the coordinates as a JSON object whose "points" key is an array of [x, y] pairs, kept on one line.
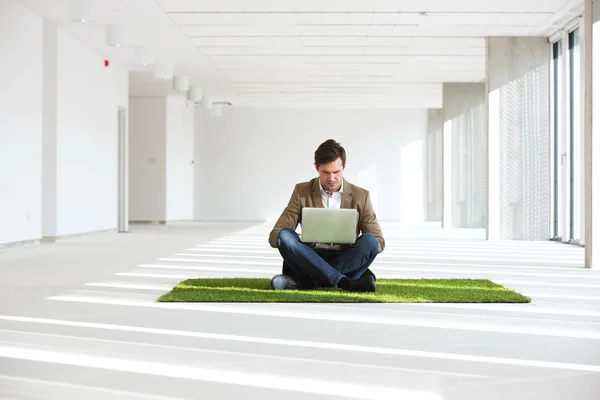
{"points": [[492, 156], [463, 148], [493, 166], [49, 133], [434, 165], [591, 44], [123, 174], [447, 174]]}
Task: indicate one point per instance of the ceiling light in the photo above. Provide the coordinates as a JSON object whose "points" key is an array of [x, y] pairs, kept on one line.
{"points": [[115, 35], [194, 94], [181, 83], [80, 10], [163, 71]]}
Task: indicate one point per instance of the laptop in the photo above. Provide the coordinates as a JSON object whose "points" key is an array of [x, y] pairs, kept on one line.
{"points": [[329, 225]]}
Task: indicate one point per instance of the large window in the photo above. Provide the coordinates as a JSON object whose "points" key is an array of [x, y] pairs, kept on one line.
{"points": [[567, 136], [575, 136], [557, 97]]}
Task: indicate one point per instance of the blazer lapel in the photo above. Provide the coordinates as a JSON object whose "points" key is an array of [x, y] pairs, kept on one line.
{"points": [[347, 196], [316, 194]]}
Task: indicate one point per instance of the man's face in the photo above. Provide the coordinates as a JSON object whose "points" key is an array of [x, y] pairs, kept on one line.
{"points": [[331, 175]]}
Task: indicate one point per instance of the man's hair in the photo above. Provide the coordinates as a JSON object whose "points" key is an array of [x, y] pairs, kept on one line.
{"points": [[328, 152]]}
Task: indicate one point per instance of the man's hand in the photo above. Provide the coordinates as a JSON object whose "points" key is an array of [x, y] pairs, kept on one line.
{"points": [[289, 218]]}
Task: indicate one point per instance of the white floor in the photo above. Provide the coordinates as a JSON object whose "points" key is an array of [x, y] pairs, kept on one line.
{"points": [[78, 320]]}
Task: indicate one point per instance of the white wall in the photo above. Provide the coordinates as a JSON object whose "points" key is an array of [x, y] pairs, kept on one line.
{"points": [[180, 156], [89, 95], [147, 159], [58, 124], [20, 123], [248, 160]]}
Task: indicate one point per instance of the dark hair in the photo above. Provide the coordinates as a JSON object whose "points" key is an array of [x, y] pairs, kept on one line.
{"points": [[328, 152]]}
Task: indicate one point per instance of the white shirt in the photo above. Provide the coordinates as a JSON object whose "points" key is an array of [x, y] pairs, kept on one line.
{"points": [[332, 200]]}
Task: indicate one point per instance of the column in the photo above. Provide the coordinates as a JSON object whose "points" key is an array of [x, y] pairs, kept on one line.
{"points": [[447, 174], [463, 154], [434, 165], [49, 132], [493, 165], [591, 65]]}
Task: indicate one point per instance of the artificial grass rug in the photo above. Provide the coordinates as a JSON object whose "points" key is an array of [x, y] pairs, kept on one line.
{"points": [[258, 290]]}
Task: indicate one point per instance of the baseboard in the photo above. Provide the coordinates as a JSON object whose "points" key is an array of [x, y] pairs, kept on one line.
{"points": [[22, 243], [160, 222], [54, 239], [235, 221]]}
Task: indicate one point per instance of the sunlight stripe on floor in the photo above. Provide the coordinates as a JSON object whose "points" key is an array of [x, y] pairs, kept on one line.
{"points": [[310, 344], [251, 379], [331, 317], [382, 259], [119, 285], [197, 268], [72, 386], [248, 353], [467, 257], [379, 268], [544, 253]]}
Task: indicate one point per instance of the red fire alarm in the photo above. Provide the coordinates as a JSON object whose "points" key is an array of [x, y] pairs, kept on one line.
{"points": [[106, 63]]}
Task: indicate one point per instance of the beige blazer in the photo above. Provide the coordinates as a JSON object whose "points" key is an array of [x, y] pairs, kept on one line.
{"points": [[308, 194]]}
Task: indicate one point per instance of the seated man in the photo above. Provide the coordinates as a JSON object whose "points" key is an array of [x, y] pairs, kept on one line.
{"points": [[327, 265]]}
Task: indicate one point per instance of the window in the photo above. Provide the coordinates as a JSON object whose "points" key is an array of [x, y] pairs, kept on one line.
{"points": [[567, 137], [575, 136], [556, 136]]}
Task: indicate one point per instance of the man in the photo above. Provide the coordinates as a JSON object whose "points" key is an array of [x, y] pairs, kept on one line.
{"points": [[327, 265]]}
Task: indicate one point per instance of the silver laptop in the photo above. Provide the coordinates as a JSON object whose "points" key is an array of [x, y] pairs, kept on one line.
{"points": [[329, 225]]}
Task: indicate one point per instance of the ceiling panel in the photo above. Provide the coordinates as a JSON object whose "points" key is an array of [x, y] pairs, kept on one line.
{"points": [[314, 52], [342, 50], [266, 31], [399, 86], [360, 18], [413, 75], [340, 41], [345, 58], [277, 61], [363, 5], [528, 6]]}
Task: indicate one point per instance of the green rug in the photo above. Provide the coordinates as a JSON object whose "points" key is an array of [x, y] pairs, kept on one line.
{"points": [[258, 290]]}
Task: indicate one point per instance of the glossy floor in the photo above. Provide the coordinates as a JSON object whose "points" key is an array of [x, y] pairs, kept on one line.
{"points": [[78, 319]]}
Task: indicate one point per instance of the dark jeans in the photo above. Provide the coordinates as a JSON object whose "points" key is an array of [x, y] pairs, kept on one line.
{"points": [[315, 268]]}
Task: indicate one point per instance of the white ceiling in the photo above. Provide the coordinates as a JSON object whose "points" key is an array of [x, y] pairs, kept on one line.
{"points": [[297, 53]]}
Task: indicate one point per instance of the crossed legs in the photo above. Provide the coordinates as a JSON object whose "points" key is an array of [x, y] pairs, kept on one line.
{"points": [[340, 269]]}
